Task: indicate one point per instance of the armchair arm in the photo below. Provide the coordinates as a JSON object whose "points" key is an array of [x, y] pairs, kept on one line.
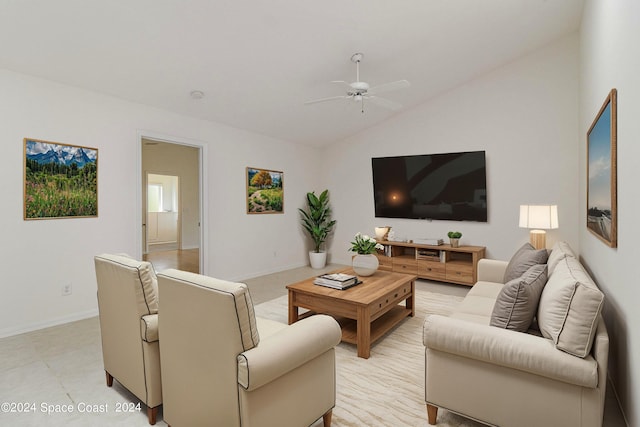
{"points": [[510, 349], [491, 270], [149, 327], [286, 350]]}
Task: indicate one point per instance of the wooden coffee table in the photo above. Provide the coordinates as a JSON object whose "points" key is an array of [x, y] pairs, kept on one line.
{"points": [[365, 312]]}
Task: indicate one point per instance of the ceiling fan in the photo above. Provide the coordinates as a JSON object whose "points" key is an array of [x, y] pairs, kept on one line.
{"points": [[360, 91]]}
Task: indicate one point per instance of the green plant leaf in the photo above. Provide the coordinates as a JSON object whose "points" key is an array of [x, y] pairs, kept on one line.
{"points": [[316, 220]]}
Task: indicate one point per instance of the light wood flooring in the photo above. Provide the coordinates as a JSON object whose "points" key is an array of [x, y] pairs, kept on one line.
{"points": [[181, 259]]}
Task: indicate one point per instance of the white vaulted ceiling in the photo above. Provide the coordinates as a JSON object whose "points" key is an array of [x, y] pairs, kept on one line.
{"points": [[258, 61]]}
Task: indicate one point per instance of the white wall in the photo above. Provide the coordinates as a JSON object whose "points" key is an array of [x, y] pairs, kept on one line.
{"points": [[40, 257], [610, 58], [523, 115]]}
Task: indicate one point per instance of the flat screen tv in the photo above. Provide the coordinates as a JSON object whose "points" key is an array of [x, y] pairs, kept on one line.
{"points": [[450, 186]]}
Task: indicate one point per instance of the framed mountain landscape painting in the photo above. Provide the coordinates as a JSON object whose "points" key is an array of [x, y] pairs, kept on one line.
{"points": [[60, 180], [265, 194]]}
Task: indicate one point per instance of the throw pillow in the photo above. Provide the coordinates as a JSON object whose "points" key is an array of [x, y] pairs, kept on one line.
{"points": [[560, 251], [569, 308], [517, 302], [524, 258]]}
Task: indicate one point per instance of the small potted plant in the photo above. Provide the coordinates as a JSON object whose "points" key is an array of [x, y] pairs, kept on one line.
{"points": [[365, 263], [318, 223], [454, 238]]}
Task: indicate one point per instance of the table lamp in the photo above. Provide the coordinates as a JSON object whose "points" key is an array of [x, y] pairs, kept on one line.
{"points": [[538, 218]]}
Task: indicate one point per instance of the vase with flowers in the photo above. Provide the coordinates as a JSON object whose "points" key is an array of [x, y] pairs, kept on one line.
{"points": [[365, 263]]}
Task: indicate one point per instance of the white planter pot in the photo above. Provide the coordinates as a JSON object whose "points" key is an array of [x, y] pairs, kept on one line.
{"points": [[318, 259], [365, 265]]}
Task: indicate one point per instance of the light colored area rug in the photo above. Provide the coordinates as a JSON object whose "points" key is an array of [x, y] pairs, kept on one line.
{"points": [[388, 388]]}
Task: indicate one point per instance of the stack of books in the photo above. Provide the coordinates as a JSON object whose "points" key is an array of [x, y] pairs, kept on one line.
{"points": [[337, 280]]}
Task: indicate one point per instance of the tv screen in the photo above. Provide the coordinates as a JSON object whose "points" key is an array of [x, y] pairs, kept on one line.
{"points": [[451, 186]]}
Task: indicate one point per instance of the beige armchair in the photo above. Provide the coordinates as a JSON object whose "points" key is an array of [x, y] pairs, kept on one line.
{"points": [[223, 366], [128, 305]]}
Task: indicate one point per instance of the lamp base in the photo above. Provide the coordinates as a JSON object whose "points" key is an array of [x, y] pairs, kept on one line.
{"points": [[538, 239]]}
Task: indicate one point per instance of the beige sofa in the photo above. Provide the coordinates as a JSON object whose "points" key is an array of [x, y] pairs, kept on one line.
{"points": [[534, 378], [222, 366]]}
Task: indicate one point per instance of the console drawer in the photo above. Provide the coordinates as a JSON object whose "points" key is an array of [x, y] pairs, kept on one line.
{"points": [[405, 265], [385, 263], [459, 273], [432, 270]]}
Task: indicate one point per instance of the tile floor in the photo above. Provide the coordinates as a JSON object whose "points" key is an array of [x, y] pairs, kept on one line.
{"points": [[53, 369]]}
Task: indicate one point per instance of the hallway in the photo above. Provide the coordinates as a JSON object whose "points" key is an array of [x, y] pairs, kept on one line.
{"points": [[181, 259]]}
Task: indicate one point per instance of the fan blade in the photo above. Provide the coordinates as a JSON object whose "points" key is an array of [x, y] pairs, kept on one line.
{"points": [[382, 102], [400, 84], [331, 98]]}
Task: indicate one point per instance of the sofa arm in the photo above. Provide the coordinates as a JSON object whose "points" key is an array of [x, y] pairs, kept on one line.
{"points": [[491, 270], [286, 350], [149, 327], [510, 349]]}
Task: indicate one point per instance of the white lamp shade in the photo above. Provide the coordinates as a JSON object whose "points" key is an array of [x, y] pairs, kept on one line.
{"points": [[543, 217]]}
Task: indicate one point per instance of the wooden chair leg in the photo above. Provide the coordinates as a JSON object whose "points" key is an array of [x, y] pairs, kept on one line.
{"points": [[109, 379], [432, 414], [326, 418], [152, 413]]}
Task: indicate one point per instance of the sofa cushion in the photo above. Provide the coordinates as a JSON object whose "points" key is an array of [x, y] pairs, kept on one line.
{"points": [[525, 257], [569, 308], [478, 304], [517, 303], [559, 251]]}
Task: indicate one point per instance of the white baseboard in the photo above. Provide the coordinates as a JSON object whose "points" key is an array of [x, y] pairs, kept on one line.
{"points": [[8, 332], [190, 247], [269, 271]]}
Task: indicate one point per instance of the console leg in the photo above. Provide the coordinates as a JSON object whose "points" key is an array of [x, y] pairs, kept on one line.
{"points": [[109, 379]]}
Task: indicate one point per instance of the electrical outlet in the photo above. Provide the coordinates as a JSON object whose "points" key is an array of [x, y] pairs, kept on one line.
{"points": [[66, 290]]}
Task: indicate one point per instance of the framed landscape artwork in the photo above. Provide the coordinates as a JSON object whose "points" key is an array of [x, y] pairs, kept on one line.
{"points": [[602, 173], [60, 180], [265, 194]]}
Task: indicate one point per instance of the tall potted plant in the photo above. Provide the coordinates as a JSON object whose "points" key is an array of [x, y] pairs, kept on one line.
{"points": [[318, 223]]}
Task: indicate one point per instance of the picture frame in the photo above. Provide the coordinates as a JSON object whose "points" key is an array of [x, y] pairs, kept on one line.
{"points": [[602, 209], [59, 181], [265, 191]]}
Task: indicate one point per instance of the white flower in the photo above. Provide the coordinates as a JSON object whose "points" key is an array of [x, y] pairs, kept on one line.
{"points": [[379, 246], [365, 237]]}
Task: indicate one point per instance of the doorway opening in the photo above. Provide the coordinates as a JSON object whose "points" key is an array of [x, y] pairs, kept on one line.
{"points": [[171, 204]]}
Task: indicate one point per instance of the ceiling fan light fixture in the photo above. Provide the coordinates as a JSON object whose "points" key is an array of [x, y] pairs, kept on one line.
{"points": [[358, 90], [197, 94], [361, 86]]}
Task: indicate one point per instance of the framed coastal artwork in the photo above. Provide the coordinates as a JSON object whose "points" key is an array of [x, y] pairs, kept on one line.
{"points": [[265, 191], [60, 180], [602, 203]]}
